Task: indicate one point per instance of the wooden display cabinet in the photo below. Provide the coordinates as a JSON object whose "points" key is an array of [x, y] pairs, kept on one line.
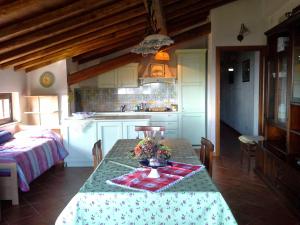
{"points": [[278, 158]]}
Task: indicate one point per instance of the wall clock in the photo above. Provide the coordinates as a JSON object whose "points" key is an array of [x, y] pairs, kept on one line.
{"points": [[47, 79]]}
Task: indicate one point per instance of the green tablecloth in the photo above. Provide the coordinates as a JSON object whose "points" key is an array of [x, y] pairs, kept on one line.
{"points": [[194, 200]]}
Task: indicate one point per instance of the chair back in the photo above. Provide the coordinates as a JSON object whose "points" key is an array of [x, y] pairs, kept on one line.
{"points": [[206, 154], [97, 153], [150, 131]]}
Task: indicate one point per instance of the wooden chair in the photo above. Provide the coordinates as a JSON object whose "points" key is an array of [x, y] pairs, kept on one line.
{"points": [[97, 153], [248, 147], [150, 131], [206, 154]]}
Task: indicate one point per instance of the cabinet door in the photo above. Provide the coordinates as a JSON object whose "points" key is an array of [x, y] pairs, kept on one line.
{"points": [[109, 133], [193, 127], [79, 137], [193, 98], [127, 76], [193, 67], [107, 80], [129, 129]]}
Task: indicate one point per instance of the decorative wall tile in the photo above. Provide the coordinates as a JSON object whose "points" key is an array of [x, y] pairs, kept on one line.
{"points": [[91, 99]]}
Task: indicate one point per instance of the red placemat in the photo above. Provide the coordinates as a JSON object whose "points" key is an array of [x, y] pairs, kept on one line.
{"points": [[169, 175]]}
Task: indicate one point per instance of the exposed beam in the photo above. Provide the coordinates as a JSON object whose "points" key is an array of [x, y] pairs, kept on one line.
{"points": [[113, 43], [131, 57], [102, 68], [78, 49], [109, 49], [180, 38], [67, 25], [204, 6], [48, 18], [159, 16], [21, 55], [184, 23]]}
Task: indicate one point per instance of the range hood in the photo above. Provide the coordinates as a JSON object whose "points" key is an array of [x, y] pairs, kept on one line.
{"points": [[150, 80], [157, 73]]}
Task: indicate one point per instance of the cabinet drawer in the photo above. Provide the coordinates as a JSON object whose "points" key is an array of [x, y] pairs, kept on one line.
{"points": [[171, 134], [167, 125], [164, 117]]}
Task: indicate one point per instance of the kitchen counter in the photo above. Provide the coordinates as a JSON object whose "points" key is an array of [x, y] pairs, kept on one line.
{"points": [[113, 117]]}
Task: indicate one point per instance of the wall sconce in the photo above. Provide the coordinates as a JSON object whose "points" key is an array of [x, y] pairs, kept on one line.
{"points": [[243, 31]]}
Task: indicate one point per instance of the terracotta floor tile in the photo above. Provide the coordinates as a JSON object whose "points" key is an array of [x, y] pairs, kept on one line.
{"points": [[250, 200]]}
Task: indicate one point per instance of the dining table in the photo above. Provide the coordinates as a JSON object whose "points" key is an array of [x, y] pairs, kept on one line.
{"points": [[193, 200]]}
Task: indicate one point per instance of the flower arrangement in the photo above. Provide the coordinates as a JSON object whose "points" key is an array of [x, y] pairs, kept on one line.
{"points": [[149, 148]]}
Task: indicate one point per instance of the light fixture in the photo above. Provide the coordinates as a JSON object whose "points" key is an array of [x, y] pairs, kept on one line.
{"points": [[154, 40], [243, 31], [161, 55]]}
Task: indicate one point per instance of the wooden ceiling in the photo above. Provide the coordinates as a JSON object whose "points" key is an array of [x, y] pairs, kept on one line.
{"points": [[35, 33]]}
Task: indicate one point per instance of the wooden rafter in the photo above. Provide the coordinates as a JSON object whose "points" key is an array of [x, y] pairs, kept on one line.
{"points": [[159, 16], [130, 57], [102, 67], [18, 56], [132, 39], [51, 17], [78, 49], [67, 25]]}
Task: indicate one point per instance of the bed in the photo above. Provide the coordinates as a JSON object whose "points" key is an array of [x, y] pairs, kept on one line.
{"points": [[25, 157]]}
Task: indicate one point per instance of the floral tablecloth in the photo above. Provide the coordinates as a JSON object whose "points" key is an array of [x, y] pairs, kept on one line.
{"points": [[194, 200]]}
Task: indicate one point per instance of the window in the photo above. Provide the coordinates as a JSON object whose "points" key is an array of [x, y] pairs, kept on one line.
{"points": [[5, 108]]}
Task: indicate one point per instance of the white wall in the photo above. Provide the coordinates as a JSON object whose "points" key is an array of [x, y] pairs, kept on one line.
{"points": [[257, 15], [14, 81], [59, 87], [239, 102]]}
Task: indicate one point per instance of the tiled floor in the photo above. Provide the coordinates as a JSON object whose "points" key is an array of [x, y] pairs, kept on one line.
{"points": [[251, 201]]}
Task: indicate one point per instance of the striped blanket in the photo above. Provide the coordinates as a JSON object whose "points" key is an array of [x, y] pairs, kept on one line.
{"points": [[34, 153]]}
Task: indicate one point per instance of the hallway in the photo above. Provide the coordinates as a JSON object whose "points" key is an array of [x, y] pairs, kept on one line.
{"points": [[251, 201]]}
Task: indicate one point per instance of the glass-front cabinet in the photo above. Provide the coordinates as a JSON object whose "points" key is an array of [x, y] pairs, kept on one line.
{"points": [[282, 106]]}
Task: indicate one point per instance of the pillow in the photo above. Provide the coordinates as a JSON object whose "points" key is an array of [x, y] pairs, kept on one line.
{"points": [[5, 136]]}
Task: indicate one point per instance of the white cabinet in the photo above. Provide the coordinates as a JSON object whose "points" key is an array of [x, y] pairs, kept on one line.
{"points": [[122, 77], [168, 120], [79, 138], [109, 133], [107, 80], [193, 127], [129, 129], [80, 135], [191, 69], [127, 76]]}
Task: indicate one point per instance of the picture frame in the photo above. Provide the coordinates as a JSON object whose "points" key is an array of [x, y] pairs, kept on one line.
{"points": [[246, 70], [157, 70]]}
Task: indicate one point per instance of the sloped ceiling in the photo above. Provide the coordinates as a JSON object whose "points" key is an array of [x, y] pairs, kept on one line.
{"points": [[37, 33]]}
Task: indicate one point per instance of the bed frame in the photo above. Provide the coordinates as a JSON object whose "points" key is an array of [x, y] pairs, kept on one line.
{"points": [[9, 185]]}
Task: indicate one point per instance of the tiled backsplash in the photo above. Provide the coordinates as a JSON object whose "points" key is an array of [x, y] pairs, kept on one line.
{"points": [[92, 99]]}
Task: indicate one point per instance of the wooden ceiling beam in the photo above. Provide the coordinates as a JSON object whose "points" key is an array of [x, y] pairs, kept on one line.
{"points": [[67, 25], [102, 67], [100, 52], [159, 16], [78, 49], [183, 24], [29, 52], [131, 57], [180, 6], [137, 35], [200, 7], [51, 17]]}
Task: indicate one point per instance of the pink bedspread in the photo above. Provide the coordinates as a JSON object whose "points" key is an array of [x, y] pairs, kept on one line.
{"points": [[34, 153]]}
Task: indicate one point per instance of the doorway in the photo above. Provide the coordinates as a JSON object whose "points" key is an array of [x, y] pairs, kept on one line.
{"points": [[239, 77]]}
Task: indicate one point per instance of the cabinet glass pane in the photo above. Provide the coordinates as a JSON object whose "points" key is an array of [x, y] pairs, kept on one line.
{"points": [[272, 82], [296, 67], [282, 87]]}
